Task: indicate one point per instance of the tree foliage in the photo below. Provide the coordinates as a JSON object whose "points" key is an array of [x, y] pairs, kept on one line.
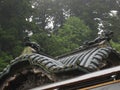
{"points": [[13, 14], [69, 36], [115, 45], [87, 10]]}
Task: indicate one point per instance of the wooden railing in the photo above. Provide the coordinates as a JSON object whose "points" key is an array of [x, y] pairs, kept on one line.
{"points": [[87, 80]]}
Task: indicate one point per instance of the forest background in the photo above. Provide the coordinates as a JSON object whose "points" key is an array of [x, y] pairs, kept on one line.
{"points": [[59, 26]]}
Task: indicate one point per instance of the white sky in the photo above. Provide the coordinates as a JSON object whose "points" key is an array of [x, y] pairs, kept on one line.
{"points": [[113, 13]]}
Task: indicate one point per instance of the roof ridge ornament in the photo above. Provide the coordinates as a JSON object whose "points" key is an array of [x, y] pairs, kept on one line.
{"points": [[31, 44], [103, 36]]}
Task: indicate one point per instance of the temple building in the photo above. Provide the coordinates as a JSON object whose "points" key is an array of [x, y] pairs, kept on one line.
{"points": [[95, 65]]}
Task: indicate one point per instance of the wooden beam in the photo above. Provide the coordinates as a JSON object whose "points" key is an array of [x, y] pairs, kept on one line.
{"points": [[99, 85]]}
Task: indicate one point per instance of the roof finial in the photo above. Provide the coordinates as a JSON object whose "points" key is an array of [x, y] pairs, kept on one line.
{"points": [[33, 45]]}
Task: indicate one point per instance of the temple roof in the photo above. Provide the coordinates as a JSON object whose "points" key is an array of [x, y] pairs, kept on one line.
{"points": [[92, 59], [92, 56], [89, 58]]}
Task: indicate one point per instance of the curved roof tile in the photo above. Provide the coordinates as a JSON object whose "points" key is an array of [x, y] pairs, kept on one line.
{"points": [[93, 58]]}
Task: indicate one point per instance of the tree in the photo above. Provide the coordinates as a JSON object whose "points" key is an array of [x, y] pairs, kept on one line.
{"points": [[13, 24], [75, 30], [69, 36]]}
